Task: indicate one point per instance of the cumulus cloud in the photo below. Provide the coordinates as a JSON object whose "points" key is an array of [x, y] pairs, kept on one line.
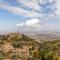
{"points": [[37, 25], [33, 24]]}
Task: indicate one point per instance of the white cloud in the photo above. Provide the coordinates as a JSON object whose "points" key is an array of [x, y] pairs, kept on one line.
{"points": [[42, 7], [19, 11], [57, 8], [33, 24], [37, 25], [30, 4], [38, 8]]}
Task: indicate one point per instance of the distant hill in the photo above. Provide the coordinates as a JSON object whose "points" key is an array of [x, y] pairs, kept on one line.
{"points": [[45, 36]]}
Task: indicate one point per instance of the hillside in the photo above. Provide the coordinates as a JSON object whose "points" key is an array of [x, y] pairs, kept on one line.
{"points": [[16, 46]]}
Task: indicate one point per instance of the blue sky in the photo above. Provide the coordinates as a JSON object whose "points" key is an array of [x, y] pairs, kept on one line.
{"points": [[29, 15]]}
